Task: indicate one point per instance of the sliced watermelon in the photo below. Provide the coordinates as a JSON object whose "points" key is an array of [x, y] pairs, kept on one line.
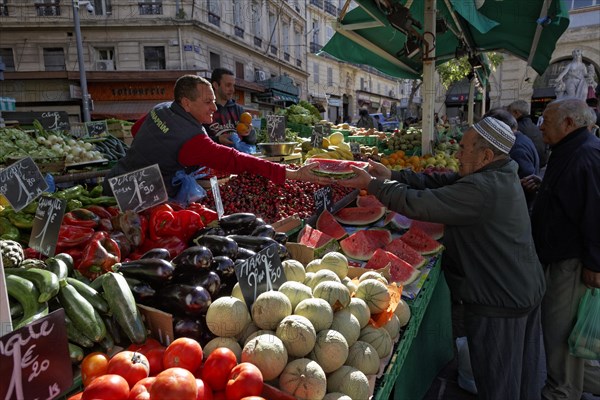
{"points": [[401, 271], [421, 242], [433, 229], [368, 200], [397, 221], [362, 244], [337, 169], [399, 248], [359, 216], [319, 241], [378, 260], [326, 223]]}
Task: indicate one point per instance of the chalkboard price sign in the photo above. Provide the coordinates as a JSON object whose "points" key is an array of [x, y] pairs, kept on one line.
{"points": [[21, 183], [50, 120], [260, 273], [318, 133], [34, 360], [276, 128], [95, 128], [323, 199], [46, 225], [355, 148], [140, 189]]}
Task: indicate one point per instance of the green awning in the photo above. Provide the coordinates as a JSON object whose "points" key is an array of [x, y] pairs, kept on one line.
{"points": [[276, 96]]}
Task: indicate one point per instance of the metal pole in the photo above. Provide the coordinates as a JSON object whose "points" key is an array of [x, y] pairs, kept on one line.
{"points": [[428, 97], [82, 78]]}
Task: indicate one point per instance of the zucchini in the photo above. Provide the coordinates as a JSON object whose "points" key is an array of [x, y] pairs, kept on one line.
{"points": [[58, 266], [120, 300], [75, 353], [90, 294], [75, 336], [108, 343], [45, 281], [85, 318], [96, 284], [16, 310], [67, 258], [25, 292]]}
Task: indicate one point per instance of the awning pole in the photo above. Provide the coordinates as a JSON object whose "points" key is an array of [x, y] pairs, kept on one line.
{"points": [[471, 100], [428, 91]]}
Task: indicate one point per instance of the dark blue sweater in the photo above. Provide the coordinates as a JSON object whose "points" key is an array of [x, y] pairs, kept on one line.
{"points": [[525, 154], [566, 213]]}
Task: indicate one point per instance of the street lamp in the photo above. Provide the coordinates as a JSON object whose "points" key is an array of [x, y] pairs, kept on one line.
{"points": [[85, 97]]}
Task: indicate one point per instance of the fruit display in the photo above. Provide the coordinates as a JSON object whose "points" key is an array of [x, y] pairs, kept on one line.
{"points": [[302, 113], [440, 162], [335, 169], [408, 140]]}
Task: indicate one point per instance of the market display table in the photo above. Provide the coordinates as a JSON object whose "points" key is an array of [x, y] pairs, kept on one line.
{"points": [[426, 345]]}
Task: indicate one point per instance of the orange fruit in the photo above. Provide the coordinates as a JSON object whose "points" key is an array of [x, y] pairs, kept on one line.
{"points": [[246, 118], [242, 129]]}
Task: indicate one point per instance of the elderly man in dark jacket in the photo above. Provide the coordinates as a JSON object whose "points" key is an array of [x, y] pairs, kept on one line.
{"points": [[520, 110]]}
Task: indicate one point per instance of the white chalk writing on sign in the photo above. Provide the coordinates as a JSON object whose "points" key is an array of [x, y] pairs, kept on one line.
{"points": [[258, 269]]}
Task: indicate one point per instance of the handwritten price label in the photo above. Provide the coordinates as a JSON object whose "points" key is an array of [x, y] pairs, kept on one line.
{"points": [[323, 199], [21, 183], [276, 128], [140, 189], [46, 225]]}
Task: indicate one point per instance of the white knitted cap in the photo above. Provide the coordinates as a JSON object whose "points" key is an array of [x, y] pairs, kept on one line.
{"points": [[496, 132]]}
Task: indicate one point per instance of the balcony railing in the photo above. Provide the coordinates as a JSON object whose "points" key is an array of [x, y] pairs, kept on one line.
{"points": [[315, 47], [286, 56], [150, 8], [4, 10], [47, 10], [273, 50], [239, 32], [330, 8], [257, 41], [214, 19], [318, 3]]}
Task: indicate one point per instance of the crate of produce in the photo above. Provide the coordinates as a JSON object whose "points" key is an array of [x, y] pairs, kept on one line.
{"points": [[304, 131], [367, 140], [45, 165]]}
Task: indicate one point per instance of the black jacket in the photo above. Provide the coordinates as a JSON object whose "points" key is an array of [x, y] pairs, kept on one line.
{"points": [[531, 130], [225, 121]]}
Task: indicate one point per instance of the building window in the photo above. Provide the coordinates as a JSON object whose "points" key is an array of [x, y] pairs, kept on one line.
{"points": [[7, 57], [330, 8], [215, 60], [239, 70], [316, 73], [238, 21], [214, 12], [3, 8], [105, 59], [150, 8], [47, 8], [329, 76], [273, 32], [54, 59], [255, 13], [154, 57], [299, 49], [102, 7], [285, 39]]}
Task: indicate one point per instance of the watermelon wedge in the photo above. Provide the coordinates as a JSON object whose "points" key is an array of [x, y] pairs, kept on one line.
{"points": [[399, 270], [399, 248], [359, 216], [336, 169], [433, 229], [378, 260], [319, 241], [421, 242], [368, 200], [397, 221], [362, 244], [326, 223]]}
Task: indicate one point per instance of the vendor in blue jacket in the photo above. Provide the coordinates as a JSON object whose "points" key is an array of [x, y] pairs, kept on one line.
{"points": [[228, 112], [490, 262]]}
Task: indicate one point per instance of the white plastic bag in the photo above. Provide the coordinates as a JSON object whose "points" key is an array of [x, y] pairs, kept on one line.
{"points": [[465, 373]]}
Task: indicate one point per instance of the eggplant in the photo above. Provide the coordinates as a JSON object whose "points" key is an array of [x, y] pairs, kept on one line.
{"points": [[180, 299], [207, 230], [225, 268], [187, 327], [219, 245], [157, 252], [226, 288], [254, 243], [280, 237], [264, 231], [143, 293], [193, 258], [284, 253], [155, 271], [244, 253], [238, 222], [209, 280]]}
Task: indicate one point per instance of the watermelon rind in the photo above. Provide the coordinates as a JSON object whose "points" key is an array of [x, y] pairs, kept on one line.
{"points": [[328, 224], [334, 175], [336, 166], [421, 242], [433, 229], [359, 216], [399, 248], [361, 245], [397, 221], [400, 271], [368, 200]]}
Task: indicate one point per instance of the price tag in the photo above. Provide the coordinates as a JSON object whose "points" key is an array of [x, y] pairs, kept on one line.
{"points": [[355, 148], [21, 183], [46, 225], [34, 360], [323, 199], [276, 128], [260, 273], [95, 128], [140, 189], [214, 185], [318, 133]]}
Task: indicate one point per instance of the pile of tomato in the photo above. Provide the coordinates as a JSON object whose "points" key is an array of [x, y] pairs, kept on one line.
{"points": [[176, 372]]}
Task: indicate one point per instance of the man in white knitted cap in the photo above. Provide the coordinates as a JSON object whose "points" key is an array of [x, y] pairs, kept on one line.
{"points": [[489, 263]]}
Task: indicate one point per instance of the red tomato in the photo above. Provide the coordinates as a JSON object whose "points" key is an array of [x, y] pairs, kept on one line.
{"points": [[107, 387], [245, 380], [141, 390], [147, 345], [219, 395], [92, 366], [76, 396], [218, 366], [130, 365], [204, 391], [155, 359], [183, 353], [174, 384]]}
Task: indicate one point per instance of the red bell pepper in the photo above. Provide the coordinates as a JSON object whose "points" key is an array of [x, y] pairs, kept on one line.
{"points": [[73, 236], [205, 213], [100, 254], [181, 224], [100, 211], [81, 217]]}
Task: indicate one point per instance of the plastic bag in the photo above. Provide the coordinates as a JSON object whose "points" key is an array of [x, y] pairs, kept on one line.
{"points": [[465, 373], [584, 340], [189, 190], [240, 145]]}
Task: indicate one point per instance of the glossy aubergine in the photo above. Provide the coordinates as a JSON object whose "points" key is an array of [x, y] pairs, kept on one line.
{"points": [[244, 253], [195, 257], [209, 280], [280, 237], [238, 222], [264, 231], [254, 243], [158, 252], [207, 230], [180, 299], [155, 271], [219, 245], [224, 267], [187, 327], [142, 291]]}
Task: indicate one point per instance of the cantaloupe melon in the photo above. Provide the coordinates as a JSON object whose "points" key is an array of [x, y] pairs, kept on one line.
{"points": [[293, 270], [228, 342], [330, 351], [360, 309], [227, 316], [307, 277], [268, 353], [255, 334], [336, 262], [237, 292], [375, 294], [322, 276], [379, 338], [393, 326], [402, 311], [243, 336], [347, 324], [336, 396], [318, 312], [372, 275], [350, 284], [270, 308], [304, 379], [363, 357], [335, 293], [295, 292], [350, 381], [297, 334], [313, 265]]}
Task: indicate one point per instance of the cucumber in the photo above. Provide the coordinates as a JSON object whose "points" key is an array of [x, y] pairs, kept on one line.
{"points": [[122, 304], [45, 281], [75, 336], [85, 318], [96, 284], [25, 292], [58, 266], [90, 295], [75, 353]]}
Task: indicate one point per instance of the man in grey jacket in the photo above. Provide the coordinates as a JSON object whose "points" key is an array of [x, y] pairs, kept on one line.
{"points": [[490, 262]]}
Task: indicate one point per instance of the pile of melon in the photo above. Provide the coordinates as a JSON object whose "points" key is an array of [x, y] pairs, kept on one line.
{"points": [[312, 337]]}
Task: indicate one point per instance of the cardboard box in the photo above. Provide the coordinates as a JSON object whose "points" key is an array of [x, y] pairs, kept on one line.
{"points": [[306, 254]]}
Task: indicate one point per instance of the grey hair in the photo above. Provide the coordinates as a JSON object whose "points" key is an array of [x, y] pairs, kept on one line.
{"points": [[590, 115], [520, 106], [572, 108], [502, 115]]}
